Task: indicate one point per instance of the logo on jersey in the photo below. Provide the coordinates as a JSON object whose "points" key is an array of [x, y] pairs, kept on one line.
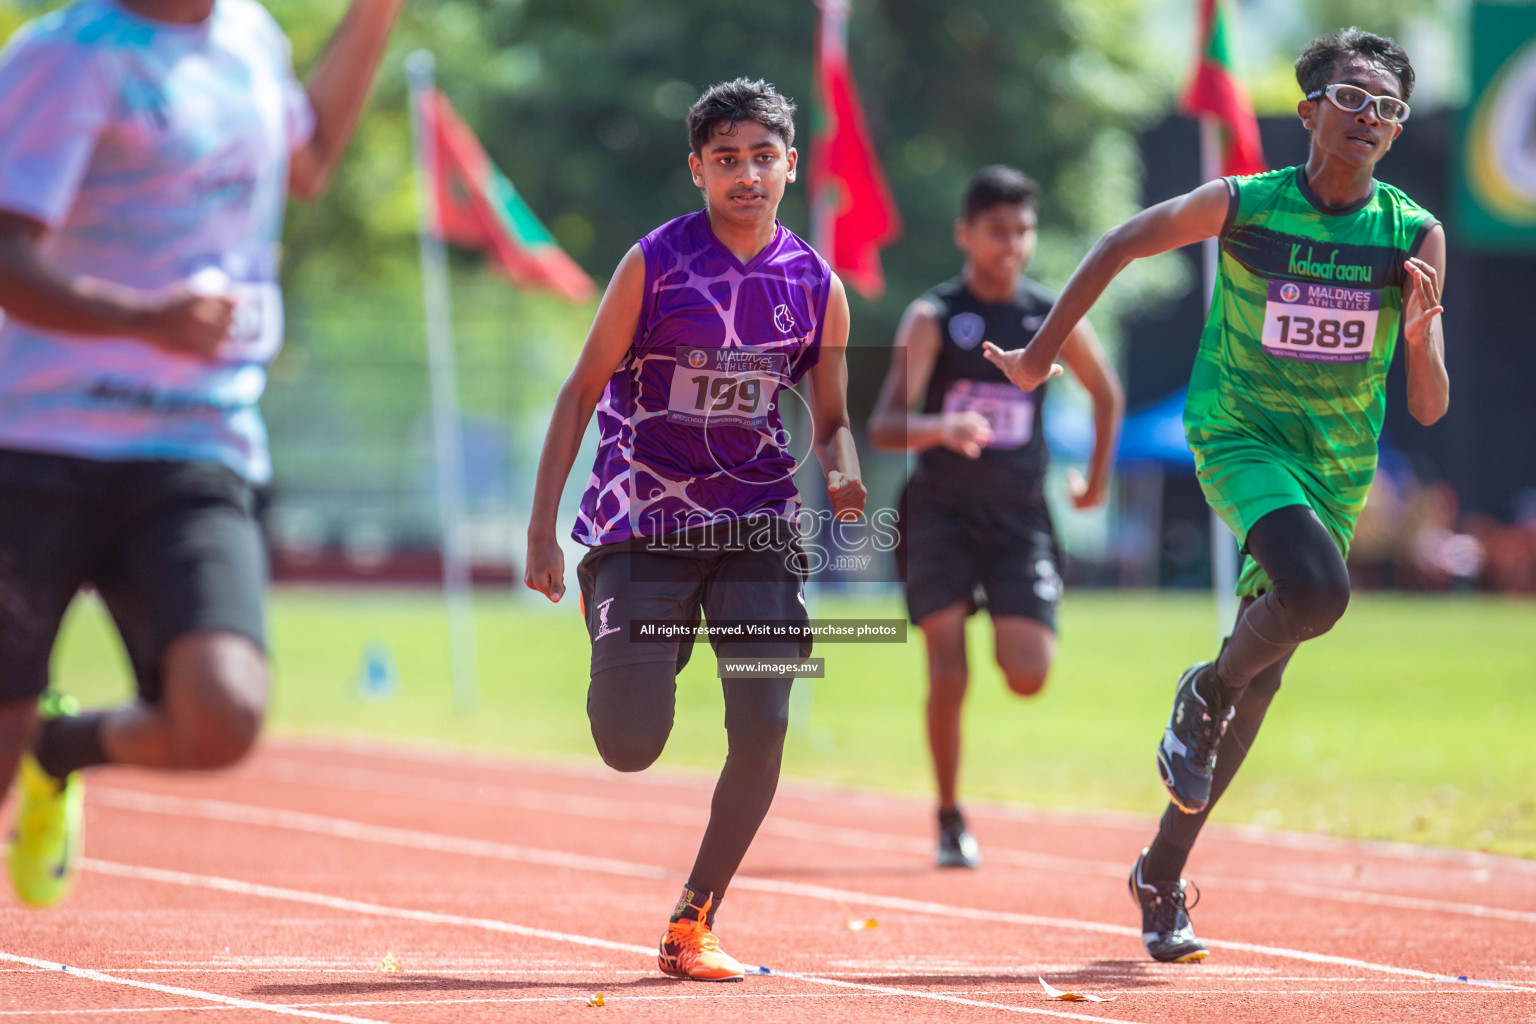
{"points": [[1289, 292], [696, 359], [603, 629], [1033, 323], [967, 329], [783, 319], [1048, 585], [1311, 266]]}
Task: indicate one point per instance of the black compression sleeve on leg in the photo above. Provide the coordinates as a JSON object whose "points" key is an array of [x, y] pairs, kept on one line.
{"points": [[756, 719], [71, 742], [1178, 831], [630, 708], [1310, 589]]}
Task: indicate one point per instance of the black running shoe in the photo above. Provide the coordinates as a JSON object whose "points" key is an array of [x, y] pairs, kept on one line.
{"points": [[1186, 757], [1165, 927], [957, 847]]}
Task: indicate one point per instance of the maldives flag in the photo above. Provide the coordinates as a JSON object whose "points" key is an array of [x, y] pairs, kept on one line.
{"points": [[478, 208], [1214, 90], [852, 212]]}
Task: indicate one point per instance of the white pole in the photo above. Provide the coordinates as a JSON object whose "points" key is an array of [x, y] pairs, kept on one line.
{"points": [[1223, 543], [448, 445], [833, 26]]}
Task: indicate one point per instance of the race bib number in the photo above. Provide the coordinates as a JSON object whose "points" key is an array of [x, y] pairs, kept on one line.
{"points": [[1320, 323], [1009, 411], [725, 387], [256, 330]]}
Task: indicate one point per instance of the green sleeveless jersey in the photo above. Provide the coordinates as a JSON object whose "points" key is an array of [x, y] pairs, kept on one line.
{"points": [[1306, 316]]}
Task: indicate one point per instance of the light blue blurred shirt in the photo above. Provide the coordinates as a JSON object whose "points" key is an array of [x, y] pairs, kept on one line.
{"points": [[155, 154]]}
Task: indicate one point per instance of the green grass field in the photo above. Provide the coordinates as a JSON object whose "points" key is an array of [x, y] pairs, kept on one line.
{"points": [[1412, 720]]}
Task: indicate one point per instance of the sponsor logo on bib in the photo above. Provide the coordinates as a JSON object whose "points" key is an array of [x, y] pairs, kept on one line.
{"points": [[1289, 292], [967, 329], [697, 359]]}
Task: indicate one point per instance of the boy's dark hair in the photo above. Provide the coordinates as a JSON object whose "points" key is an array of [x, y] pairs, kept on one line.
{"points": [[743, 99], [1317, 63], [995, 185]]}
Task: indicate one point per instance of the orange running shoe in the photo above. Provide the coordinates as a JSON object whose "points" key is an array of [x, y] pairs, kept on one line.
{"points": [[690, 950]]}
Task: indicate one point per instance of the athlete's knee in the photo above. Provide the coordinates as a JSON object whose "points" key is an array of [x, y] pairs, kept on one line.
{"points": [[215, 699], [632, 742], [222, 736], [218, 736], [1316, 600], [630, 710], [1026, 682], [627, 753]]}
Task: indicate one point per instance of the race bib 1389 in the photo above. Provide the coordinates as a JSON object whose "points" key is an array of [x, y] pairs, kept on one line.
{"points": [[1320, 323]]}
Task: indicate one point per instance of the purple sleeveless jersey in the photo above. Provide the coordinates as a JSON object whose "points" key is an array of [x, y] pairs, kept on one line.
{"points": [[689, 426]]}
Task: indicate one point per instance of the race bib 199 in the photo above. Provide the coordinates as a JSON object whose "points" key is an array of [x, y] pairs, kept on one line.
{"points": [[1009, 411], [725, 387], [1320, 323]]}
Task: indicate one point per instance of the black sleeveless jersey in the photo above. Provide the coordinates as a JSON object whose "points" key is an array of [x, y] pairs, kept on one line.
{"points": [[1013, 465]]}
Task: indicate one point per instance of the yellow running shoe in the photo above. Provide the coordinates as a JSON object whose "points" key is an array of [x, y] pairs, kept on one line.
{"points": [[50, 823], [690, 950]]}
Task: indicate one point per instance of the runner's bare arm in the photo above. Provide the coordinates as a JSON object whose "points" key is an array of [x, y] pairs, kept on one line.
{"points": [[613, 331], [828, 386], [1083, 355], [338, 88], [1429, 387], [1171, 224], [34, 292], [894, 427]]}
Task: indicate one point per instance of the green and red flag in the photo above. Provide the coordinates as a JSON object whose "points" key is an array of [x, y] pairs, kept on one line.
{"points": [[477, 208], [1214, 90], [853, 214]]}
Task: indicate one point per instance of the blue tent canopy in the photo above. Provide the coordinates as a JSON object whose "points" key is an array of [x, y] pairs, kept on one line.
{"points": [[1154, 433]]}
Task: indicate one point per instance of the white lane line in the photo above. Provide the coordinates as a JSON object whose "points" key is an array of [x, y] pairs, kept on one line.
{"points": [[417, 967], [342, 828], [190, 993], [316, 824], [273, 892], [89, 1012], [397, 784], [237, 887]]}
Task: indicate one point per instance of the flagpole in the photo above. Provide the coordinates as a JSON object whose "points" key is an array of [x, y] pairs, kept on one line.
{"points": [[448, 445], [832, 27], [831, 31], [1223, 544]]}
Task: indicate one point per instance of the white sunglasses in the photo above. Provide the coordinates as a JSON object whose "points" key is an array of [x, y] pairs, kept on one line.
{"points": [[1354, 99]]}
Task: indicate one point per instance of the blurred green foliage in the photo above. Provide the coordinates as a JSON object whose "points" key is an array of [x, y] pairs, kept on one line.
{"points": [[581, 103]]}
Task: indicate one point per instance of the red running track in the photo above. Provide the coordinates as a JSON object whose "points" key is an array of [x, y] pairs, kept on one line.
{"points": [[510, 891]]}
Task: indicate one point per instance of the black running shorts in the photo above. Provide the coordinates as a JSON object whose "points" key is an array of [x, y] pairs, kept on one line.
{"points": [[630, 581], [171, 547], [1001, 555]]}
